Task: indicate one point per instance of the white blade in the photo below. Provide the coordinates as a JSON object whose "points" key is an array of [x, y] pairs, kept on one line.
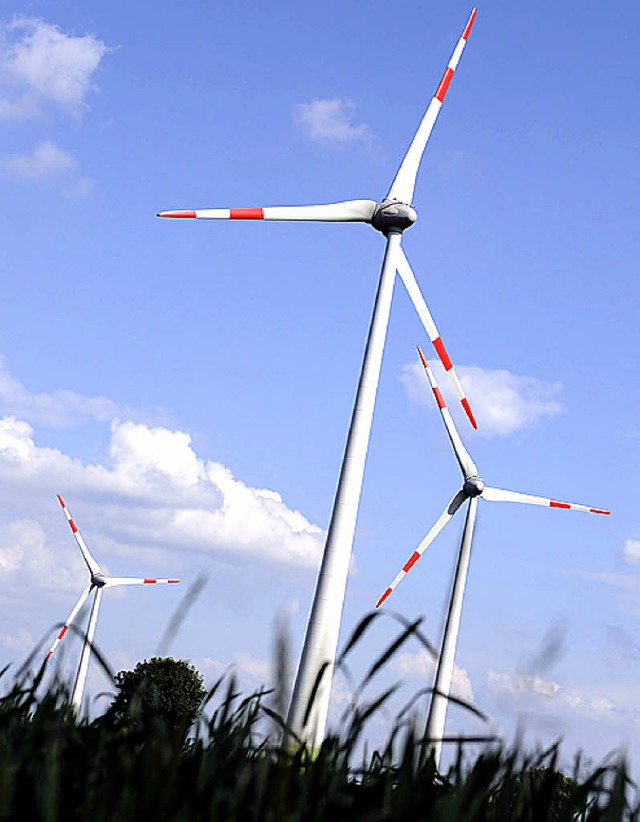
{"points": [[448, 513], [81, 676], [70, 618], [467, 465], [499, 495], [405, 180], [92, 565], [413, 289], [350, 211], [111, 582]]}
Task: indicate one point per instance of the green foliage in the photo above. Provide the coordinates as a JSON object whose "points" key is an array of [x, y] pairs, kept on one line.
{"points": [[54, 767], [158, 689]]}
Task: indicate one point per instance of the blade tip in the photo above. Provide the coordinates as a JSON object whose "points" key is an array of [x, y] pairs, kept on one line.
{"points": [[383, 597], [175, 214]]}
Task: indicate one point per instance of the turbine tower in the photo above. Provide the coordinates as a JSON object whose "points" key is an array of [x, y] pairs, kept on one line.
{"points": [[391, 216], [98, 581], [473, 487]]}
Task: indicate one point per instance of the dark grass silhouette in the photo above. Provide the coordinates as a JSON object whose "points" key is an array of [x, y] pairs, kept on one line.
{"points": [[240, 762]]}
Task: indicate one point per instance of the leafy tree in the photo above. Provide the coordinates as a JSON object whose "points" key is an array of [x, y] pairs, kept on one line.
{"points": [[158, 689]]}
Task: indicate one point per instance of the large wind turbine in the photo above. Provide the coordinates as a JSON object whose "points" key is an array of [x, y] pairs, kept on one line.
{"points": [[473, 487], [391, 216], [98, 581]]}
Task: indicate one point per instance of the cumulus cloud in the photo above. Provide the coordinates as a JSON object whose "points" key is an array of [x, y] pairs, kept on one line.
{"points": [[534, 695], [58, 409], [330, 122], [43, 67], [45, 161], [155, 490], [421, 665], [503, 402]]}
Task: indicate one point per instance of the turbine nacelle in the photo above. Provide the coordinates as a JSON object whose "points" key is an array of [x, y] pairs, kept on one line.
{"points": [[473, 487], [393, 216]]}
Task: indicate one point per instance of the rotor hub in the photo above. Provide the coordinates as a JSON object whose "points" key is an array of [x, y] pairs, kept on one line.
{"points": [[98, 580], [392, 216], [473, 486]]}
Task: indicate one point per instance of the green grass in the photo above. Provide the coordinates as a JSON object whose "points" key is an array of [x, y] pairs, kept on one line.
{"points": [[234, 766]]}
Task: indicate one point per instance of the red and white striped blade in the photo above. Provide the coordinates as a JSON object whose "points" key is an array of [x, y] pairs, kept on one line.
{"points": [[499, 495], [413, 289], [92, 565], [467, 465], [350, 211], [447, 514], [405, 180], [111, 582], [69, 620]]}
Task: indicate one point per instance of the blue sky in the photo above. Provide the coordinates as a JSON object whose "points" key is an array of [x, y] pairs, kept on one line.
{"points": [[161, 375]]}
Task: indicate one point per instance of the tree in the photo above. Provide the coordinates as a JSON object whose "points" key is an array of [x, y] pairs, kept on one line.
{"points": [[158, 689]]}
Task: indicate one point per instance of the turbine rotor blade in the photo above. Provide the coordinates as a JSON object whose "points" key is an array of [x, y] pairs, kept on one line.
{"points": [[413, 289], [111, 582], [467, 465], [350, 211], [444, 518], [69, 620], [405, 179], [500, 495], [92, 565]]}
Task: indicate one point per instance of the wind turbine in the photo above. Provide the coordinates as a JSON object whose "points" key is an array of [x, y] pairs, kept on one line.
{"points": [[473, 488], [391, 216], [98, 581]]}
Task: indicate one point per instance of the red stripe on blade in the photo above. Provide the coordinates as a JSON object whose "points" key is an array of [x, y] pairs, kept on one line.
{"points": [[46, 659], [442, 353], [73, 526], [188, 214], [555, 504], [467, 31], [173, 580], [149, 581], [439, 399], [423, 358], [411, 561], [598, 511], [383, 597], [246, 214], [444, 84], [62, 632], [467, 408], [60, 500]]}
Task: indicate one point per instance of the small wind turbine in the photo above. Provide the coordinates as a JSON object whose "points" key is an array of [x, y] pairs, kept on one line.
{"points": [[97, 582], [391, 216], [473, 487]]}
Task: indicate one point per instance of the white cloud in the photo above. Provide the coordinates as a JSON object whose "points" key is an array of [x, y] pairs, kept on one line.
{"points": [[503, 403], [331, 122], [41, 66], [58, 409], [47, 160], [246, 667], [421, 665], [534, 695], [631, 551], [155, 490], [24, 548]]}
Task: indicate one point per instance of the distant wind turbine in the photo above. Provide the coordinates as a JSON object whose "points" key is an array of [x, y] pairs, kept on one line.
{"points": [[473, 487], [391, 216], [97, 582]]}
